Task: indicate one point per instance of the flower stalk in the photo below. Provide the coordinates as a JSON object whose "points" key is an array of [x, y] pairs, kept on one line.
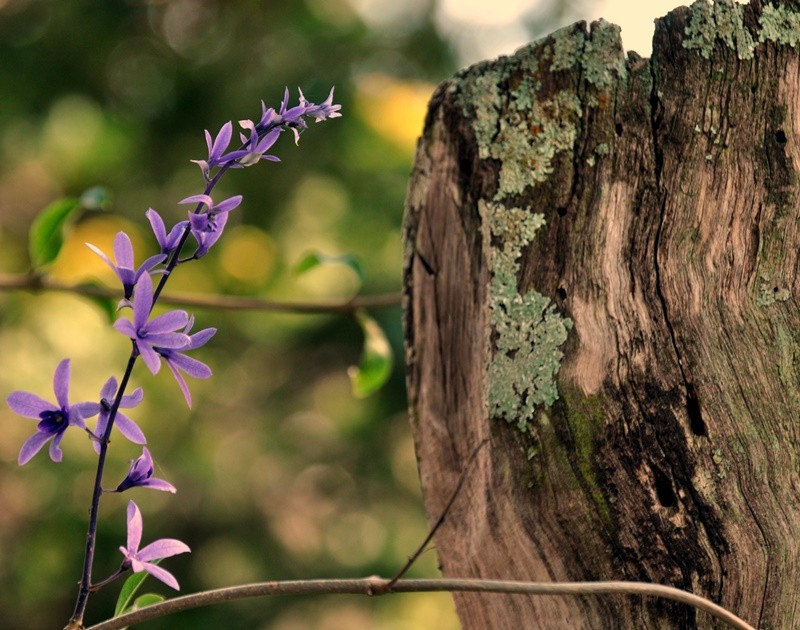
{"points": [[164, 337]]}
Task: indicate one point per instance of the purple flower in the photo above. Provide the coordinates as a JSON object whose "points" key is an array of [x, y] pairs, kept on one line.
{"points": [[324, 110], [158, 332], [216, 150], [140, 474], [178, 362], [53, 419], [126, 426], [138, 560], [207, 226], [123, 255], [255, 148], [167, 242]]}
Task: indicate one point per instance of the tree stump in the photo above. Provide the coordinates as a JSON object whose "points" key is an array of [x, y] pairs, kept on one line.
{"points": [[601, 278]]}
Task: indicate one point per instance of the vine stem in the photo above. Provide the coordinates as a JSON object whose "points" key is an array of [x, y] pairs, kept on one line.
{"points": [[376, 585], [22, 282], [85, 587]]}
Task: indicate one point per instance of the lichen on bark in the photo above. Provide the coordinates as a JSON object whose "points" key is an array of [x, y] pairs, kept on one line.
{"points": [[526, 330]]}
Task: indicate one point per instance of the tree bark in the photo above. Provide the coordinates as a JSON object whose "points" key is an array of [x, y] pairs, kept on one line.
{"points": [[601, 278]]}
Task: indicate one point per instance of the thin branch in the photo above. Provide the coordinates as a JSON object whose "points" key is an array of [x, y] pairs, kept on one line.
{"points": [[218, 302], [379, 586], [413, 558]]}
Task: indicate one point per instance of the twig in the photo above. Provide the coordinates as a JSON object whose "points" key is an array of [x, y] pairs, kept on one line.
{"points": [[413, 558], [379, 586], [220, 302]]}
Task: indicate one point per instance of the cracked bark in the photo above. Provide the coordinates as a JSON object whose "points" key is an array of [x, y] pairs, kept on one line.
{"points": [[673, 450]]}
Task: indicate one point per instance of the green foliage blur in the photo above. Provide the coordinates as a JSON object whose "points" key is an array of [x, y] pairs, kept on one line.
{"points": [[282, 473]]}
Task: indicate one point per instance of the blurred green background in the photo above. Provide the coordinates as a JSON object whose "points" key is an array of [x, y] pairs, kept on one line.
{"points": [[281, 472]]}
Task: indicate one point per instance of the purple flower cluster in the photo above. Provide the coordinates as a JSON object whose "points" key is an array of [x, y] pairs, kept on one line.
{"points": [[166, 336]]}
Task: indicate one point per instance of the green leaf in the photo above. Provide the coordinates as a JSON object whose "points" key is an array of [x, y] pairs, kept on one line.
{"points": [[128, 590], [376, 360], [314, 259], [46, 235], [125, 601], [148, 599]]}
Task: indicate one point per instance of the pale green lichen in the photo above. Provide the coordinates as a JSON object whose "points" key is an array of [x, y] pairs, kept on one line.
{"points": [[769, 294], [780, 25], [721, 463], [602, 59], [599, 151], [485, 97], [723, 20], [526, 144], [524, 130], [527, 331], [568, 44]]}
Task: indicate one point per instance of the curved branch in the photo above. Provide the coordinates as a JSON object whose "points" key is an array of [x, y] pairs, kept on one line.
{"points": [[379, 586], [221, 302]]}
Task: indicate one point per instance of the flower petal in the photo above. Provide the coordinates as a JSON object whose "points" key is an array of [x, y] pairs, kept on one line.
{"points": [[125, 327], [193, 367], [31, 446], [61, 383], [29, 405], [168, 340], [167, 322], [161, 574], [150, 357], [132, 399], [162, 548], [134, 527], [55, 452], [142, 301], [129, 429], [187, 396], [159, 484], [123, 250]]}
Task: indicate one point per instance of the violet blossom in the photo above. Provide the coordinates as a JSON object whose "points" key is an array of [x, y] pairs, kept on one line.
{"points": [[216, 150], [167, 242], [160, 331], [140, 475], [54, 419], [126, 426], [207, 226], [255, 147], [178, 362], [138, 560], [123, 265]]}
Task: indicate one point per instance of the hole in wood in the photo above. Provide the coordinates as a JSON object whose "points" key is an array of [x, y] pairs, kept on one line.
{"points": [[780, 136], [562, 293], [664, 492], [561, 211], [696, 422], [618, 129]]}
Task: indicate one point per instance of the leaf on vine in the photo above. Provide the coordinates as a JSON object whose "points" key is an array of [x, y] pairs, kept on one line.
{"points": [[46, 236], [375, 366]]}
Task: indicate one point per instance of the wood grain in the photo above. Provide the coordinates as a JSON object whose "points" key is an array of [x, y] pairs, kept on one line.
{"points": [[671, 239]]}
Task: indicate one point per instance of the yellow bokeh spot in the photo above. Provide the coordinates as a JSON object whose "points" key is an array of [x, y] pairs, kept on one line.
{"points": [[77, 263], [248, 255], [393, 107]]}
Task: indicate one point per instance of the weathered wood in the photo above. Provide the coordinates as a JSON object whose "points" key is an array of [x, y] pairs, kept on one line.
{"points": [[601, 276]]}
